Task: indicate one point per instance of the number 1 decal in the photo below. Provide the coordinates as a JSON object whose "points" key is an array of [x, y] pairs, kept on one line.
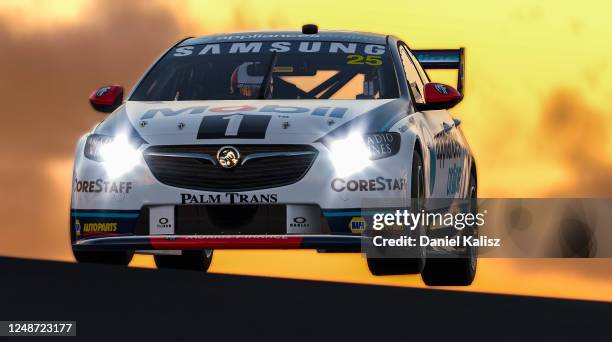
{"points": [[233, 125], [240, 126]]}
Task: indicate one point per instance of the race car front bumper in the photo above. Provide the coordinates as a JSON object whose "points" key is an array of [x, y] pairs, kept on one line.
{"points": [[321, 210], [218, 227]]}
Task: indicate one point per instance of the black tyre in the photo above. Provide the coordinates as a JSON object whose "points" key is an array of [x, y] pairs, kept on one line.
{"points": [[459, 270], [122, 258], [188, 260], [394, 266]]}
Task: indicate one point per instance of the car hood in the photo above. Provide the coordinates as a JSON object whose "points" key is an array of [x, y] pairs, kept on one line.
{"points": [[257, 121]]}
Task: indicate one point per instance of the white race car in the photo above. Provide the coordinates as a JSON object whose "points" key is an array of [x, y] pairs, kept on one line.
{"points": [[271, 140]]}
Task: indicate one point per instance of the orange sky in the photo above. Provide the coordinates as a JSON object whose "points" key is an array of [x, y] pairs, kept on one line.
{"points": [[536, 112]]}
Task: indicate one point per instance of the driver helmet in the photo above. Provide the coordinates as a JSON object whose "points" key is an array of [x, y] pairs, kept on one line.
{"points": [[243, 83]]}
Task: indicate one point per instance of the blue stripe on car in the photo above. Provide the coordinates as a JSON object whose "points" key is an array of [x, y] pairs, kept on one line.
{"points": [[106, 215]]}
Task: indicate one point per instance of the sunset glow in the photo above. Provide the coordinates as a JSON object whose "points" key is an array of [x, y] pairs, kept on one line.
{"points": [[538, 93]]}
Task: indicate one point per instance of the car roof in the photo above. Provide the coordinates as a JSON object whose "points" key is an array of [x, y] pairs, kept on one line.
{"points": [[334, 36]]}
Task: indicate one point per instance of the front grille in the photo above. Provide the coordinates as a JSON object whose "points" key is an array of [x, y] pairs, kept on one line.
{"points": [[195, 167]]}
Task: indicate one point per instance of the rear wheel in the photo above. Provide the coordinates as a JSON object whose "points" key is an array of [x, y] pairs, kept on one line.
{"points": [[459, 270], [188, 260], [393, 266], [122, 258]]}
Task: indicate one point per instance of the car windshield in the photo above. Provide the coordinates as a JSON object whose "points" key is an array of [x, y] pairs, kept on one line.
{"points": [[271, 70]]}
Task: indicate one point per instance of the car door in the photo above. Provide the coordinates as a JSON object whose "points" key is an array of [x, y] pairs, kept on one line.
{"points": [[445, 157]]}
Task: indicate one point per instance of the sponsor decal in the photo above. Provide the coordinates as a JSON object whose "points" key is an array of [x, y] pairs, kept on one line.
{"points": [[372, 184], [335, 112], [161, 220], [357, 225], [90, 222], [447, 147], [432, 167], [100, 228], [382, 145], [454, 180], [299, 222], [279, 47], [326, 36], [77, 227], [163, 223], [102, 186], [303, 219], [257, 198], [230, 197], [200, 198], [266, 35], [229, 237], [283, 69]]}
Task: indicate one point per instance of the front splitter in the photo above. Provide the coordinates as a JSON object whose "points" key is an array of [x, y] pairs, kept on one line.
{"points": [[200, 242]]}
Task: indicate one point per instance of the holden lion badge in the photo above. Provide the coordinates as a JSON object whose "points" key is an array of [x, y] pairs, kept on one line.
{"points": [[228, 157]]}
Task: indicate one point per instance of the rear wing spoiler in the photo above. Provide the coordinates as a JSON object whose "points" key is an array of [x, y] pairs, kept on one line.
{"points": [[450, 59]]}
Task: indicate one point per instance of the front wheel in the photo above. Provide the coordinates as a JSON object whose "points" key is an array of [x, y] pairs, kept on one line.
{"points": [[188, 260], [395, 266], [121, 258], [457, 270]]}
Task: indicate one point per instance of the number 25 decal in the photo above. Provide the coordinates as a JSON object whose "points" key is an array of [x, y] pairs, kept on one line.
{"points": [[239, 126], [361, 59]]}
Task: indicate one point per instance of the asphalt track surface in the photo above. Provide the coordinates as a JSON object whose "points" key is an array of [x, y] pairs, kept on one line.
{"points": [[112, 303]]}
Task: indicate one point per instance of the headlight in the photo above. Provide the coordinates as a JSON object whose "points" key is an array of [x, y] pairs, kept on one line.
{"points": [[117, 154], [93, 145], [356, 151], [349, 155]]}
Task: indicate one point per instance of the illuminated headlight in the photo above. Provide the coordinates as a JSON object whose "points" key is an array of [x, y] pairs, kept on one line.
{"points": [[356, 151], [117, 154]]}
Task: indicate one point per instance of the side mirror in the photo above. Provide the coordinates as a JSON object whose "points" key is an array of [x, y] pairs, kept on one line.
{"points": [[439, 96], [106, 99]]}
